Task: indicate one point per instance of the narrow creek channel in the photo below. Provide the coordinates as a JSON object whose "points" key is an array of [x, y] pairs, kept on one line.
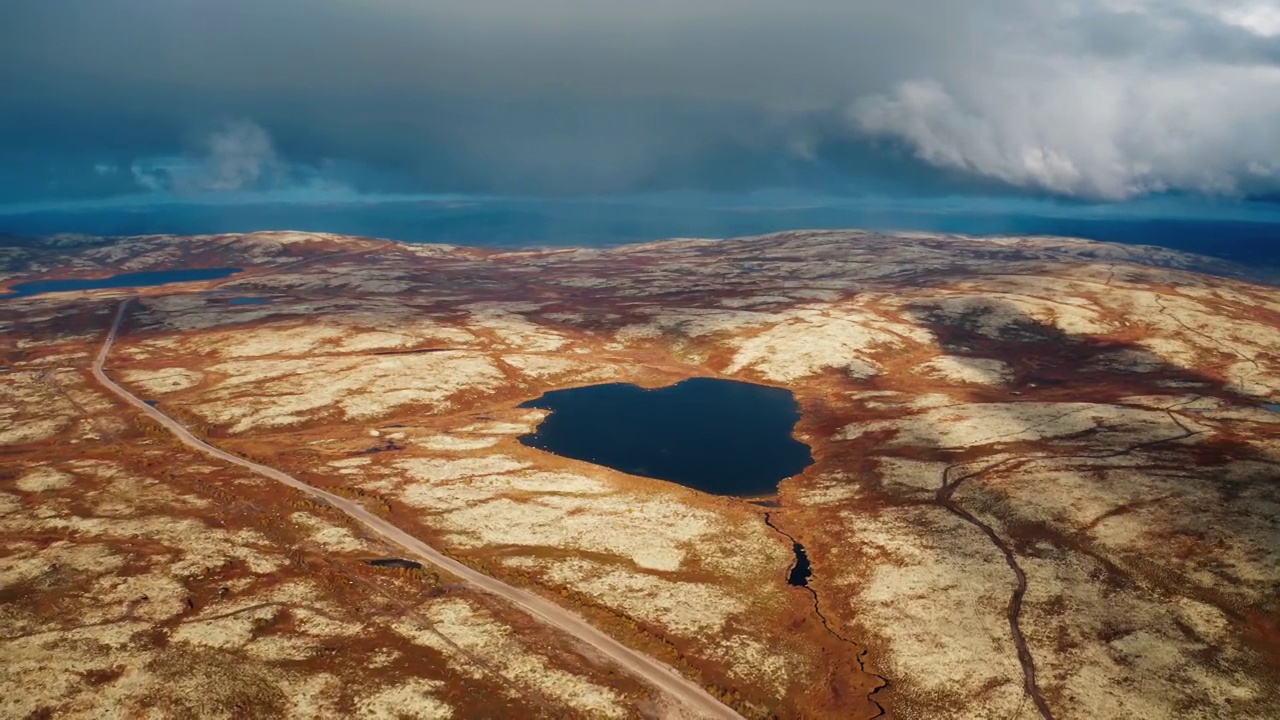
{"points": [[801, 570], [798, 576]]}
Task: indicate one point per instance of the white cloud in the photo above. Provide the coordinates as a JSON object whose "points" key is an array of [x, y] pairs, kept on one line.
{"points": [[238, 156], [1259, 18], [1040, 112]]}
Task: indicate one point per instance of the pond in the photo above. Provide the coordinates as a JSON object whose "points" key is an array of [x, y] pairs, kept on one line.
{"points": [[150, 278], [395, 563], [718, 436], [802, 570]]}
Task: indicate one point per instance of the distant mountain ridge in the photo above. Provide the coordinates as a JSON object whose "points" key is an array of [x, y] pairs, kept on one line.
{"points": [[41, 255]]}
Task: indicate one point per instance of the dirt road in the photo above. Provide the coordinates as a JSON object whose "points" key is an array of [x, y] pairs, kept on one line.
{"points": [[691, 698]]}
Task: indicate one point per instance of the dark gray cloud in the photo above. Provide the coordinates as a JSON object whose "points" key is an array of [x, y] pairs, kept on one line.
{"points": [[1092, 98]]}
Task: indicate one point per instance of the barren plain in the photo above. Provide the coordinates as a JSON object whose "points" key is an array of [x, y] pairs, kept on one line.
{"points": [[1045, 481]]}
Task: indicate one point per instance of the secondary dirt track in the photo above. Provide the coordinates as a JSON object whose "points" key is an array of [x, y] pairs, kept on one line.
{"points": [[685, 693]]}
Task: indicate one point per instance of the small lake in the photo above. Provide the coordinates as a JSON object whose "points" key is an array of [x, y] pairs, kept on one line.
{"points": [[719, 436], [150, 278], [248, 301]]}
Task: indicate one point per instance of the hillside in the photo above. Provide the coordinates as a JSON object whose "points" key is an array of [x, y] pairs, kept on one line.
{"points": [[1044, 481]]}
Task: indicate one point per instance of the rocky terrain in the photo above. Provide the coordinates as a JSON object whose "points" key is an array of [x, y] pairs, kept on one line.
{"points": [[1045, 480]]}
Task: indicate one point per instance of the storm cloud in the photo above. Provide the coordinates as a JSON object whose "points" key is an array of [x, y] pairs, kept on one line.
{"points": [[1097, 99]]}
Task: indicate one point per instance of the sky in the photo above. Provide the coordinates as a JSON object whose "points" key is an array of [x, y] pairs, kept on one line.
{"points": [[1090, 101]]}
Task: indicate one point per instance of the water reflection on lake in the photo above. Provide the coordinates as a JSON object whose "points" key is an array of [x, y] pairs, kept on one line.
{"points": [[718, 436], [149, 278]]}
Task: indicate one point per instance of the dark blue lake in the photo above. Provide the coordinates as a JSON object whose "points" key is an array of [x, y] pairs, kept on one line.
{"points": [[248, 301], [124, 280], [718, 436]]}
